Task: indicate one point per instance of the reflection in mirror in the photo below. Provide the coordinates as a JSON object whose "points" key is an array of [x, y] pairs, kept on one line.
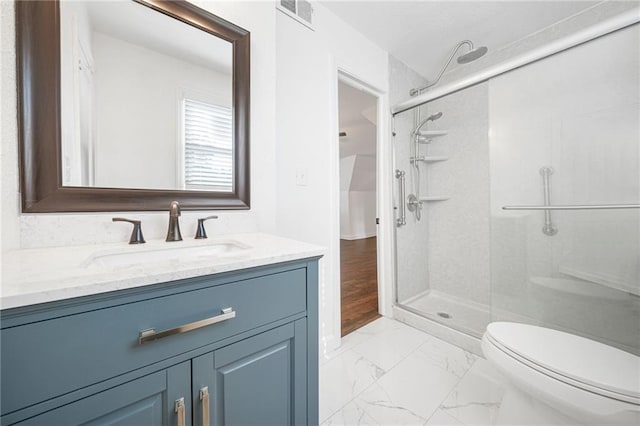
{"points": [[146, 100]]}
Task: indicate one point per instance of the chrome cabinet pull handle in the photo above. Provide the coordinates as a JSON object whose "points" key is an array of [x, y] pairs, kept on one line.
{"points": [[204, 400], [150, 334], [180, 411]]}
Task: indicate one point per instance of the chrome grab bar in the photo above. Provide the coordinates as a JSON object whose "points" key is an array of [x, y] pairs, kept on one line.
{"points": [[150, 334], [576, 207], [548, 228], [402, 220]]}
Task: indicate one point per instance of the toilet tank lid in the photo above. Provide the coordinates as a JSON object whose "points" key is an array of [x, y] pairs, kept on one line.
{"points": [[575, 357]]}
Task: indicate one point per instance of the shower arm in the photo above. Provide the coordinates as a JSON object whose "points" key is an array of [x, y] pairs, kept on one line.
{"points": [[417, 91], [418, 127], [432, 117]]}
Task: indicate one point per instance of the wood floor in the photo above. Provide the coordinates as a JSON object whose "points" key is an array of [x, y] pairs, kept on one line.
{"points": [[359, 283]]}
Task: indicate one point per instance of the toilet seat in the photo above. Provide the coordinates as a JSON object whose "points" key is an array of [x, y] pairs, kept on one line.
{"points": [[574, 360]]}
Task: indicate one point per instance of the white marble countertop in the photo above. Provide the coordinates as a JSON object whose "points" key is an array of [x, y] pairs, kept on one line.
{"points": [[32, 276]]}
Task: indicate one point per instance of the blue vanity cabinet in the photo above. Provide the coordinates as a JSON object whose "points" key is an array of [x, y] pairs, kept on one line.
{"points": [[150, 400], [85, 360], [258, 381]]}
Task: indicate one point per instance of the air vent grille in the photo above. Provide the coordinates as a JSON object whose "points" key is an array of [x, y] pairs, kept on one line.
{"points": [[290, 5], [305, 11], [300, 10]]}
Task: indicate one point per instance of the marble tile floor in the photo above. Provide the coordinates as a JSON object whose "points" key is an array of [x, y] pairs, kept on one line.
{"points": [[388, 373]]}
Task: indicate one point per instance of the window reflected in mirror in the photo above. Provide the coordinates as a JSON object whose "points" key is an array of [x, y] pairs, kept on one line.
{"points": [[207, 144]]}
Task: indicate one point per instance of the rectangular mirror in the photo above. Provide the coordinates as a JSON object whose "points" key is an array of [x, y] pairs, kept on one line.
{"points": [[128, 105]]}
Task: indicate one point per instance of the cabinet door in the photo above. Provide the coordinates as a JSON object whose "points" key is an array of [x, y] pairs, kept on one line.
{"points": [[257, 381], [149, 400]]}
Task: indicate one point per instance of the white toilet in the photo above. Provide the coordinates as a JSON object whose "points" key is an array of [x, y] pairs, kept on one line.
{"points": [[557, 378]]}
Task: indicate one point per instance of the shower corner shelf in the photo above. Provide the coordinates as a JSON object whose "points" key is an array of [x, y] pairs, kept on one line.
{"points": [[434, 198], [428, 159], [433, 133], [434, 159]]}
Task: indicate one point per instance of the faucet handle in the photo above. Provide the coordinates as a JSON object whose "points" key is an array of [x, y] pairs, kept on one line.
{"points": [[174, 208], [136, 234], [201, 232]]}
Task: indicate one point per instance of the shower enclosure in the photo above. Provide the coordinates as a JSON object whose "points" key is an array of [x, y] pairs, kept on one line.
{"points": [[527, 189]]}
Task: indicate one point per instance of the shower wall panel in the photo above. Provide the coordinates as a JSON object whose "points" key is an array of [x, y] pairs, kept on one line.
{"points": [[459, 239]]}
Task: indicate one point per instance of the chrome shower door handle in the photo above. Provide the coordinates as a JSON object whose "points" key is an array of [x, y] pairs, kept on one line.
{"points": [[402, 220]]}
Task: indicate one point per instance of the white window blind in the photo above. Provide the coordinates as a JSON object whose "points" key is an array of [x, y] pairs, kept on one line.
{"points": [[208, 146]]}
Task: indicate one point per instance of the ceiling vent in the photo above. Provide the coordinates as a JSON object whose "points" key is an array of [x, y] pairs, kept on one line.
{"points": [[300, 10]]}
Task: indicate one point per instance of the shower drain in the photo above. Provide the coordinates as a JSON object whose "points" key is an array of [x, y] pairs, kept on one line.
{"points": [[444, 315]]}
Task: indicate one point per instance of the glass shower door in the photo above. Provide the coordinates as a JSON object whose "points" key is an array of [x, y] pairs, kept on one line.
{"points": [[443, 253], [565, 134]]}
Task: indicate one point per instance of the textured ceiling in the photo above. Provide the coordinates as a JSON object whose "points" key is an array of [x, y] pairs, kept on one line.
{"points": [[422, 33]]}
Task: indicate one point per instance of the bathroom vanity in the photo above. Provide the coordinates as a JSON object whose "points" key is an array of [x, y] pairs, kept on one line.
{"points": [[224, 338]]}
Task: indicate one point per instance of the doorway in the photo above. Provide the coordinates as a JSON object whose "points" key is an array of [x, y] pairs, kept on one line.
{"points": [[357, 118]]}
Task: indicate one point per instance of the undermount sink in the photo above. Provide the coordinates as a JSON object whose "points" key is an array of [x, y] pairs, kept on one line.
{"points": [[172, 253]]}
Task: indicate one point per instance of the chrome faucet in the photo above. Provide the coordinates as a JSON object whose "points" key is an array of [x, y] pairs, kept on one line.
{"points": [[173, 234]]}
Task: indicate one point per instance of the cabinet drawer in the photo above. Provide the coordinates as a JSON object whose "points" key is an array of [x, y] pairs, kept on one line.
{"points": [[49, 358]]}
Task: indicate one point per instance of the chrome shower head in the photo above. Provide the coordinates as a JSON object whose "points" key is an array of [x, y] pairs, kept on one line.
{"points": [[472, 55], [434, 117]]}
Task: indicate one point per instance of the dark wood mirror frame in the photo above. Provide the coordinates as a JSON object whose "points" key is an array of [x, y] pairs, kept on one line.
{"points": [[39, 112]]}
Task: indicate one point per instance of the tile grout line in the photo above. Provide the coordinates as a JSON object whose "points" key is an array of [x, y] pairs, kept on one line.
{"points": [[366, 359], [429, 337], [453, 390]]}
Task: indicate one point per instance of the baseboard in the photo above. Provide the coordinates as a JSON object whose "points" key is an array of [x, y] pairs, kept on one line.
{"points": [[329, 344], [357, 236]]}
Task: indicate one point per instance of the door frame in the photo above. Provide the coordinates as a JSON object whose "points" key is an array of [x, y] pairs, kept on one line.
{"points": [[384, 199]]}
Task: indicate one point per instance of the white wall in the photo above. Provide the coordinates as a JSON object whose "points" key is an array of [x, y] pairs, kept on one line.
{"points": [[10, 224], [357, 197], [40, 230], [357, 117], [307, 131], [76, 92]]}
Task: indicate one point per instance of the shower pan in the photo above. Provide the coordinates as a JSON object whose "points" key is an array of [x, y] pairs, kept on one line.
{"points": [[525, 214]]}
